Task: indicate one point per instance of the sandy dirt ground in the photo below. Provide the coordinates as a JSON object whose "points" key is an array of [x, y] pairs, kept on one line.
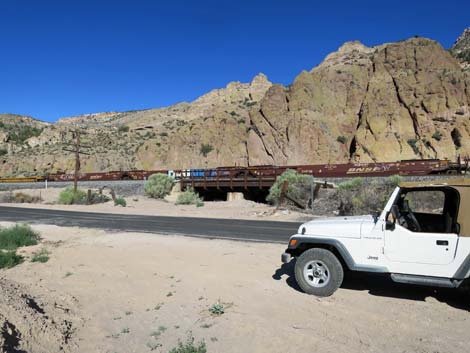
{"points": [[130, 292], [238, 209]]}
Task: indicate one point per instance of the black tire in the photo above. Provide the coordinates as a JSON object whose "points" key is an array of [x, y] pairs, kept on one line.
{"points": [[327, 263]]}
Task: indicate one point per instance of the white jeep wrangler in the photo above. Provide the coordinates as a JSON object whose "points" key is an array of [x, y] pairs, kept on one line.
{"points": [[421, 237]]}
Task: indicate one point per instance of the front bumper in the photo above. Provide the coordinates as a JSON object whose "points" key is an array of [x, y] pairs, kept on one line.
{"points": [[285, 258]]}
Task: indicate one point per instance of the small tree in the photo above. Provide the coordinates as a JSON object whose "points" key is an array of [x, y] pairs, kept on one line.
{"points": [[206, 149], [158, 186], [298, 184]]}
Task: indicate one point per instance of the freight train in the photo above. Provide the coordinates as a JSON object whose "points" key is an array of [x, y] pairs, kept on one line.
{"points": [[403, 168]]}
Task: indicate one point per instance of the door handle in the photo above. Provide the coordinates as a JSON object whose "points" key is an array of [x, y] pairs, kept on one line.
{"points": [[442, 242]]}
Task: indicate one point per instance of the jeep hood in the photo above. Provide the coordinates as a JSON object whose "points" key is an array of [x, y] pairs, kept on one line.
{"points": [[338, 227]]}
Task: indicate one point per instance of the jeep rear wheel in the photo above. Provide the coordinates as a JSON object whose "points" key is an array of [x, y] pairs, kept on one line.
{"points": [[318, 272]]}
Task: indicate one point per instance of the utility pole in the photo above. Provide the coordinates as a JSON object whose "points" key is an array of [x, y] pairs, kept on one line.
{"points": [[76, 148]]}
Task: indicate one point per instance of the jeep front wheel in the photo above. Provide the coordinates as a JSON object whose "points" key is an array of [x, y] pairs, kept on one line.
{"points": [[318, 272]]}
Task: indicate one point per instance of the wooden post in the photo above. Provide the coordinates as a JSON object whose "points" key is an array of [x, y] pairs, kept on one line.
{"points": [[77, 164], [76, 148]]}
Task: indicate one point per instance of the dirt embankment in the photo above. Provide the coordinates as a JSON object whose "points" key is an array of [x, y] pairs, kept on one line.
{"points": [[35, 324]]}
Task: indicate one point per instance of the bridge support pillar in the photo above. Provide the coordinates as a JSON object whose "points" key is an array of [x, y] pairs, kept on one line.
{"points": [[234, 196]]}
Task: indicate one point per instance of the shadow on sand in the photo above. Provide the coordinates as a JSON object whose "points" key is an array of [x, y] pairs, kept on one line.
{"points": [[382, 285]]}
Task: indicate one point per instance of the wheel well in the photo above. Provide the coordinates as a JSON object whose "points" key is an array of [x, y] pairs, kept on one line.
{"points": [[306, 246]]}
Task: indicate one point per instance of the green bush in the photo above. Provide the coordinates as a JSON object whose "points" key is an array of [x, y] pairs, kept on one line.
{"points": [[20, 135], [351, 184], [358, 198], [158, 186], [217, 309], [3, 151], [189, 197], [393, 181], [189, 346], [9, 259], [123, 128], [205, 149], [69, 197], [97, 198], [437, 136], [413, 145], [342, 139], [41, 256], [16, 236], [120, 201], [298, 184]]}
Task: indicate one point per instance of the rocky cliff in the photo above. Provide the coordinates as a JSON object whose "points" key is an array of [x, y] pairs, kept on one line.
{"points": [[396, 101], [461, 49], [403, 100]]}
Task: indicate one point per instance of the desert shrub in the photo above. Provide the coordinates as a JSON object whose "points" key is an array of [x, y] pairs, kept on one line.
{"points": [[205, 149], [351, 184], [16, 236], [342, 139], [9, 259], [393, 181], [189, 197], [21, 197], [96, 198], [120, 201], [158, 186], [123, 128], [357, 198], [69, 197], [20, 135], [41, 256], [413, 145], [189, 346], [298, 186], [3, 151]]}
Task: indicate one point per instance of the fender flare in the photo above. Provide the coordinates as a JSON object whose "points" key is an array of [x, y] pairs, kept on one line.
{"points": [[342, 250]]}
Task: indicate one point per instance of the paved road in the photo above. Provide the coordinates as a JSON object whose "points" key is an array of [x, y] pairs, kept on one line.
{"points": [[264, 231]]}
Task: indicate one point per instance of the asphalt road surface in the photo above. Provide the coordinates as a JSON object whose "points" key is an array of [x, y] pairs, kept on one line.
{"points": [[263, 231]]}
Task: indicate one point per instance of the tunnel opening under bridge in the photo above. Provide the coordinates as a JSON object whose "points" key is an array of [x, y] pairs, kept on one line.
{"points": [[255, 194]]}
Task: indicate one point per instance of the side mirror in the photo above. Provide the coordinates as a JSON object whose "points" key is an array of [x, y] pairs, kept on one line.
{"points": [[390, 225]]}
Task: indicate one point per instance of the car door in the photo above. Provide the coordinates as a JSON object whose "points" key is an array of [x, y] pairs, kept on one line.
{"points": [[432, 245], [403, 245]]}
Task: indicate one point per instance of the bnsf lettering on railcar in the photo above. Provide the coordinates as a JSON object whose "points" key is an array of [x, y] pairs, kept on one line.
{"points": [[360, 170]]}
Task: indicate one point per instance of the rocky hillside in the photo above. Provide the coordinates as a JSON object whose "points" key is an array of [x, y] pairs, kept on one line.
{"points": [[396, 101], [403, 100], [461, 49]]}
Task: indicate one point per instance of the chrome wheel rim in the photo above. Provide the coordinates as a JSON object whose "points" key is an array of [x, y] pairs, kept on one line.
{"points": [[316, 273]]}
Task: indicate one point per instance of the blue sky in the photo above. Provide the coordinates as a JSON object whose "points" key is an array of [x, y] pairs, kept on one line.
{"points": [[63, 58]]}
